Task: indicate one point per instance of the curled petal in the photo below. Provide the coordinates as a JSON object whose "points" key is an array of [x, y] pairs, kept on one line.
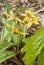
{"points": [[32, 15]]}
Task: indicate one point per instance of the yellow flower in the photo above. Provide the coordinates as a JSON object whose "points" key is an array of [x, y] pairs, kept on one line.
{"points": [[33, 16], [31, 22], [30, 14], [16, 29], [34, 19], [13, 16], [36, 22]]}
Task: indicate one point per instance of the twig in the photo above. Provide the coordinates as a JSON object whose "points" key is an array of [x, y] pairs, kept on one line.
{"points": [[39, 10]]}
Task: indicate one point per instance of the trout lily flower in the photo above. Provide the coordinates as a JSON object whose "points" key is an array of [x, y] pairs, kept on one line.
{"points": [[29, 15], [12, 16], [34, 20], [16, 29]]}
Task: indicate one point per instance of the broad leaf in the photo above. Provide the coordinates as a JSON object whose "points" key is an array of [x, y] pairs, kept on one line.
{"points": [[41, 58], [6, 55], [33, 46]]}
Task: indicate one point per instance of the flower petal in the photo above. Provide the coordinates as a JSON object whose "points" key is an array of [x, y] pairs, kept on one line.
{"points": [[36, 22]]}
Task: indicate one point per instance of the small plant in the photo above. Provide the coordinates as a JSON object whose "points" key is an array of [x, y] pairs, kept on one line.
{"points": [[14, 33]]}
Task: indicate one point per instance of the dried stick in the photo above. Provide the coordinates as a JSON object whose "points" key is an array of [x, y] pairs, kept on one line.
{"points": [[39, 10]]}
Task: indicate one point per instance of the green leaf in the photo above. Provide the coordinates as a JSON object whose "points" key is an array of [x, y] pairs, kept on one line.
{"points": [[3, 21], [41, 58], [33, 46], [24, 9], [5, 45], [8, 7], [16, 39], [6, 34], [6, 55]]}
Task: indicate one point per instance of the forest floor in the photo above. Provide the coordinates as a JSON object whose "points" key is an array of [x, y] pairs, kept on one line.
{"points": [[37, 6]]}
